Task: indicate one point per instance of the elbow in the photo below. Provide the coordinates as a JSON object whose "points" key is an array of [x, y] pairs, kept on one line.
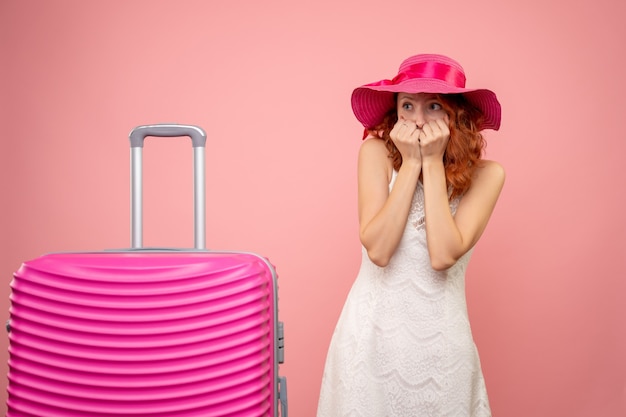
{"points": [[442, 258], [379, 254], [441, 263], [378, 259]]}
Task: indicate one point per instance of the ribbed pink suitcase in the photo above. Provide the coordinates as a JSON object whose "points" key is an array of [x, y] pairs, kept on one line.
{"points": [[147, 332]]}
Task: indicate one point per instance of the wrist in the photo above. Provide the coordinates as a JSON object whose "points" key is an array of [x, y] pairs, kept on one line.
{"points": [[431, 166], [412, 165]]}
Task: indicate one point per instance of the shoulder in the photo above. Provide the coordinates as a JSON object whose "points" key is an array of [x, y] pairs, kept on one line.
{"points": [[374, 157], [373, 145], [490, 174], [492, 169]]}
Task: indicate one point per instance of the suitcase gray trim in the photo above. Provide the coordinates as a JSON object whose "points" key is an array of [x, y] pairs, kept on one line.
{"points": [[198, 138]]}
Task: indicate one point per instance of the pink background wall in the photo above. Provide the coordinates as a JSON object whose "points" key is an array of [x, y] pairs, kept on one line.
{"points": [[270, 81]]}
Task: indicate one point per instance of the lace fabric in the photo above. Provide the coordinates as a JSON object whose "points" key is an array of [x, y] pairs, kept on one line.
{"points": [[403, 344]]}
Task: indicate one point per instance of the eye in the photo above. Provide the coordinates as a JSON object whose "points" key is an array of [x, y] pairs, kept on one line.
{"points": [[435, 106], [407, 105]]}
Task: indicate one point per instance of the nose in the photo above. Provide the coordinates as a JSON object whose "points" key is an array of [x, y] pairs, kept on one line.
{"points": [[419, 119]]}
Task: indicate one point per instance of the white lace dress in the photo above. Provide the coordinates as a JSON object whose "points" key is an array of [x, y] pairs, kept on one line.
{"points": [[403, 346]]}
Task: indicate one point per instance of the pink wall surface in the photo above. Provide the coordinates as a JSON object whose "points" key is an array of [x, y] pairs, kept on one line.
{"points": [[270, 81]]}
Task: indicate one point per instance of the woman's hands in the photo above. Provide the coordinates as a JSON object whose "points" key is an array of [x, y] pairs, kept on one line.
{"points": [[434, 140], [421, 144], [406, 136]]}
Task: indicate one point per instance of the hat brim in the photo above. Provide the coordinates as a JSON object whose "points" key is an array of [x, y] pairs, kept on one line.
{"points": [[371, 102]]}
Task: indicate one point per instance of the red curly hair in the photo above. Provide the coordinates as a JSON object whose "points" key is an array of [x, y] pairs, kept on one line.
{"points": [[465, 147]]}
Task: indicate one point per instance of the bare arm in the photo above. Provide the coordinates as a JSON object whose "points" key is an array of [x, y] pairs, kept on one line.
{"points": [[383, 214], [450, 237]]}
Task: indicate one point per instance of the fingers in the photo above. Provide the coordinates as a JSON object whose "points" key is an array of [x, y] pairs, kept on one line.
{"points": [[435, 130], [434, 139], [428, 141], [406, 128], [405, 135], [444, 126], [405, 131], [432, 129]]}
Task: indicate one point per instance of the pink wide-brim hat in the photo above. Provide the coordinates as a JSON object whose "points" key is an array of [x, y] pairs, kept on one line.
{"points": [[424, 73]]}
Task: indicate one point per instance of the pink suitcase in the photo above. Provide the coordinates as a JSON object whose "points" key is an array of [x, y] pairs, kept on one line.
{"points": [[147, 332]]}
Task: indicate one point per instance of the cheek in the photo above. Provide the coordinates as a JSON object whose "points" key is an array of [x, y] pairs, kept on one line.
{"points": [[405, 115], [432, 116], [440, 115]]}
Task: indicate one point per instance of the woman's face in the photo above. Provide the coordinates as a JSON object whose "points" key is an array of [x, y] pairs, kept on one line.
{"points": [[420, 108]]}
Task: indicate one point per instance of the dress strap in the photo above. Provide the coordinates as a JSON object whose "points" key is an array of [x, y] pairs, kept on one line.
{"points": [[394, 174]]}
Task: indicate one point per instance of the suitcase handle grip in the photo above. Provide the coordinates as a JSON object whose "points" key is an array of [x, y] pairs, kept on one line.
{"points": [[198, 139], [138, 134]]}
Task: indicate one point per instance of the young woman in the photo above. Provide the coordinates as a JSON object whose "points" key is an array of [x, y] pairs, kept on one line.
{"points": [[403, 344]]}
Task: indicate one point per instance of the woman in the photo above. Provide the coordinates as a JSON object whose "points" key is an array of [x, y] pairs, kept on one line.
{"points": [[403, 344]]}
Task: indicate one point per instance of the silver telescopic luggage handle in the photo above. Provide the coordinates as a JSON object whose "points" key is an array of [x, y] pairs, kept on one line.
{"points": [[198, 140]]}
